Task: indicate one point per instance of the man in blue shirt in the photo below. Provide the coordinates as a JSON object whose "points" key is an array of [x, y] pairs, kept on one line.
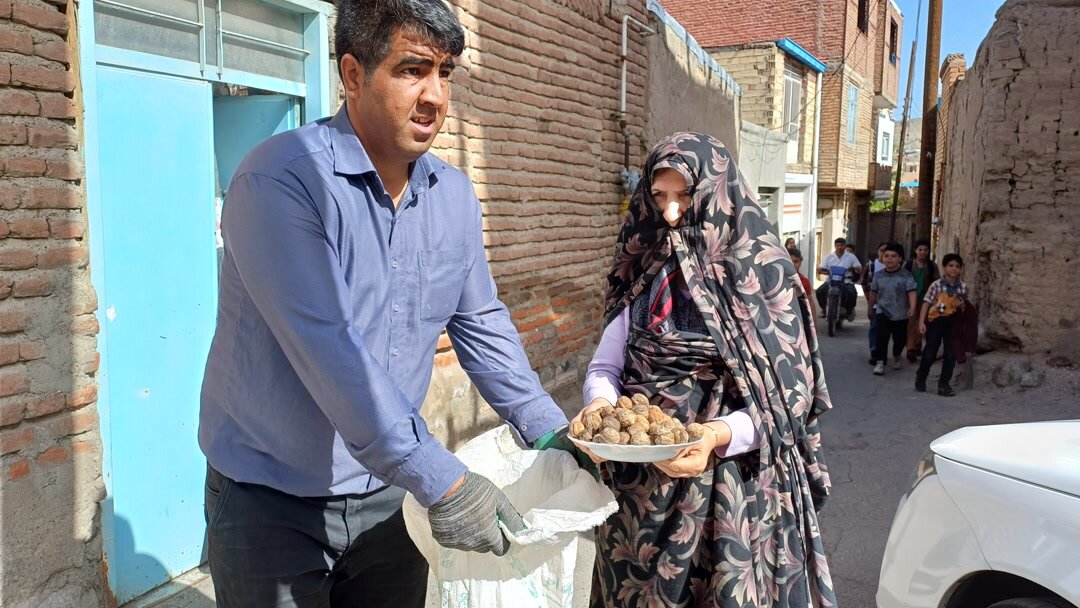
{"points": [[348, 249]]}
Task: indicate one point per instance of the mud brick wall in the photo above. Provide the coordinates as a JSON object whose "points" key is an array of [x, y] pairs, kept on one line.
{"points": [[1011, 191]]}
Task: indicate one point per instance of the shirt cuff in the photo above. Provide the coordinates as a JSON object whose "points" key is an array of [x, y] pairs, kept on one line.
{"points": [[429, 472], [744, 435], [537, 418]]}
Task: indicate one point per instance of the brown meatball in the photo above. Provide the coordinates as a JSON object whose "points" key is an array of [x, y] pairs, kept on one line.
{"points": [[607, 410], [625, 403], [599, 438], [640, 439], [656, 414], [586, 436], [695, 431], [624, 438], [593, 421], [641, 409], [640, 399], [642, 420], [625, 417], [609, 434], [637, 428], [655, 429], [611, 422], [681, 436], [577, 428], [664, 439]]}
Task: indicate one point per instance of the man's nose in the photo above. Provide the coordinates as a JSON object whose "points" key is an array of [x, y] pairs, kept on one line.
{"points": [[435, 91]]}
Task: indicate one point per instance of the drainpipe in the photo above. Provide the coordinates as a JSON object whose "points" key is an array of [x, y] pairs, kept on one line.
{"points": [[810, 218], [629, 180]]}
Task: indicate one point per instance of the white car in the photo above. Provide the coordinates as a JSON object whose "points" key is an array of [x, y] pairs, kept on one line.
{"points": [[992, 519]]}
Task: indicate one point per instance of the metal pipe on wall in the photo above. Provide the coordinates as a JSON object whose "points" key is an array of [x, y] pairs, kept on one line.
{"points": [[810, 218], [644, 30]]}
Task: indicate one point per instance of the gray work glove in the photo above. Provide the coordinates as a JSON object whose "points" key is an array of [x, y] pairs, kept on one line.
{"points": [[469, 518]]}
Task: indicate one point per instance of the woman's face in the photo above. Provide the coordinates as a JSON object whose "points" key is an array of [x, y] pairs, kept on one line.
{"points": [[671, 194]]}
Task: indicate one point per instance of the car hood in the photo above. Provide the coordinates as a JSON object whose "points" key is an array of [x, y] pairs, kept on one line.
{"points": [[1042, 453]]}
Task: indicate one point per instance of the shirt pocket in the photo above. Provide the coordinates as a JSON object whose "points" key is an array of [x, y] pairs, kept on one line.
{"points": [[442, 277]]}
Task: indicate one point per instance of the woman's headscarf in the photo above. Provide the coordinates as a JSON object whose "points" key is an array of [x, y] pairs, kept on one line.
{"points": [[748, 292]]}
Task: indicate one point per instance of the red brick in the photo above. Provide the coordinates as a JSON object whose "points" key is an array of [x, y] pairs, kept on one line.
{"points": [[32, 288], [64, 169], [29, 228], [52, 137], [52, 197], [57, 50], [82, 447], [83, 396], [17, 259], [85, 325], [24, 167], [84, 305], [4, 230], [15, 439], [64, 255], [18, 42], [5, 72], [12, 135], [18, 103], [83, 420], [62, 228], [17, 469], [5, 288], [50, 79], [5, 9], [13, 321], [53, 455], [57, 105], [9, 353], [31, 351], [14, 381], [40, 18], [45, 405], [10, 198]]}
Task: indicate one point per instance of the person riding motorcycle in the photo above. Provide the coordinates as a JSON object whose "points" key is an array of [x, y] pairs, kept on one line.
{"points": [[853, 267]]}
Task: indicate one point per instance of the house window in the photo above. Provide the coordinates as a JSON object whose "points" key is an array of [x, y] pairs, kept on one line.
{"points": [[894, 30], [793, 95], [864, 15], [852, 114], [885, 156]]}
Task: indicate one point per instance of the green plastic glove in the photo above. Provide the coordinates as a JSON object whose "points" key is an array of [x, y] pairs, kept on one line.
{"points": [[559, 440]]}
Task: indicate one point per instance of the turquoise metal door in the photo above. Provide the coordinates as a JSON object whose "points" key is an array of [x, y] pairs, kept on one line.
{"points": [[159, 304], [242, 122]]}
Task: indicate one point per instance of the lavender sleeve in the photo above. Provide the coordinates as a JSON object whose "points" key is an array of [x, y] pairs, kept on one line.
{"points": [[603, 379]]}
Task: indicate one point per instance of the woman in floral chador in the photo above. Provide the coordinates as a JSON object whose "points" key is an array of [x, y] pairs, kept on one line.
{"points": [[707, 318]]}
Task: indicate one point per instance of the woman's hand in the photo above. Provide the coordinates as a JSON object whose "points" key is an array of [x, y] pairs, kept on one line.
{"points": [[596, 404], [692, 461]]}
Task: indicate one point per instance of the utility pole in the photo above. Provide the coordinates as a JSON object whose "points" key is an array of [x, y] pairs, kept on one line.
{"points": [[925, 209], [903, 135]]}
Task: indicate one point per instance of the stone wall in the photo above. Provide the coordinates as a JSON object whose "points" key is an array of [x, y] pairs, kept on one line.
{"points": [[1012, 178], [50, 545]]}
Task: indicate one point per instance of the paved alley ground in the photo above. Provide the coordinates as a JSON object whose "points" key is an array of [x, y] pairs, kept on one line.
{"points": [[877, 431]]}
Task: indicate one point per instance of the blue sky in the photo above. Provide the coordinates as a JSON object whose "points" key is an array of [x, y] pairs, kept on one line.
{"points": [[964, 24]]}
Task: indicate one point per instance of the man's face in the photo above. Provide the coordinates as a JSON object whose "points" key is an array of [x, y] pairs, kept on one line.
{"points": [[891, 259], [922, 252], [881, 253], [839, 248], [797, 261], [399, 107]]}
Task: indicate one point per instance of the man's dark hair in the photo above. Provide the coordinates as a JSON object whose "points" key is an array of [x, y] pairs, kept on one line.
{"points": [[839, 241], [365, 28], [952, 257], [795, 253], [896, 248], [922, 243]]}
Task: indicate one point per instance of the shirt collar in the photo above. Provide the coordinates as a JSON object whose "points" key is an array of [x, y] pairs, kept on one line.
{"points": [[350, 158]]}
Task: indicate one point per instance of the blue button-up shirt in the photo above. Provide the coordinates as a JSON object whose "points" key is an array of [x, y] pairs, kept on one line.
{"points": [[330, 307]]}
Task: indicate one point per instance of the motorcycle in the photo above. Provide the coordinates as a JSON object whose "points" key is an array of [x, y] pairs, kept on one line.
{"points": [[834, 308]]}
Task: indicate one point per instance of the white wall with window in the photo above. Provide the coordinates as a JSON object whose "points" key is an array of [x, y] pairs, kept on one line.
{"points": [[793, 114], [886, 138]]}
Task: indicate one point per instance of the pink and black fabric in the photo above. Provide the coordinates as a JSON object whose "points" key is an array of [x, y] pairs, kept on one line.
{"points": [[716, 326]]}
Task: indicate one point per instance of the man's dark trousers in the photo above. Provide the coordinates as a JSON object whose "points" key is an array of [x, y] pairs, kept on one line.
{"points": [[887, 328], [271, 549]]}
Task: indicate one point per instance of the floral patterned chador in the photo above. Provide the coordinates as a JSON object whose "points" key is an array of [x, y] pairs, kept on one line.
{"points": [[736, 335]]}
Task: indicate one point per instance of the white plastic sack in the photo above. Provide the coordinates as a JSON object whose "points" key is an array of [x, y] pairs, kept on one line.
{"points": [[557, 500]]}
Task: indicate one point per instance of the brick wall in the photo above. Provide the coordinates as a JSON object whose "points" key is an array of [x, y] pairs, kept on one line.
{"points": [[886, 67], [759, 71], [953, 70], [49, 447], [1012, 177], [719, 23]]}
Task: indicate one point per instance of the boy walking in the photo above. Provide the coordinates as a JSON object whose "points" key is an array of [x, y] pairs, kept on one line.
{"points": [[943, 303], [892, 295]]}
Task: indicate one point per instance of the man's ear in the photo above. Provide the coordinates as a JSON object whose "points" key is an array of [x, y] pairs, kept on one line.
{"points": [[352, 72]]}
